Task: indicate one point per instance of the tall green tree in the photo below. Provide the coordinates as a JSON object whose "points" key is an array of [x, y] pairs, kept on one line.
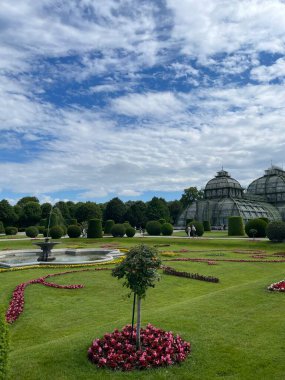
{"points": [[86, 211], [31, 214], [21, 202], [139, 270], [116, 210], [63, 207], [46, 208], [157, 209], [175, 208], [190, 195], [7, 213], [136, 214]]}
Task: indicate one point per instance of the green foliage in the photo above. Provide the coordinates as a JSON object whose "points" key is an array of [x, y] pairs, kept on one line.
{"points": [[191, 195], [56, 232], [23, 201], [175, 209], [62, 206], [41, 229], [199, 227], [136, 214], [153, 227], [43, 222], [207, 225], [73, 231], [116, 210], [56, 218], [235, 226], [32, 231], [31, 213], [46, 209], [2, 229], [162, 221], [71, 222], [167, 229], [4, 346], [11, 230], [157, 209], [118, 230], [94, 228], [87, 211], [139, 269], [108, 226], [130, 231], [265, 219], [257, 224], [275, 231], [7, 213]]}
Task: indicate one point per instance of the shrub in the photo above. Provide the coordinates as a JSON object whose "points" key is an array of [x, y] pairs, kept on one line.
{"points": [[64, 229], [32, 231], [166, 229], [71, 222], [108, 226], [235, 226], [153, 227], [207, 225], [73, 231], [199, 227], [41, 229], [4, 346], [43, 222], [130, 231], [275, 231], [162, 221], [118, 230], [94, 228], [127, 225], [56, 232], [11, 230], [256, 224], [2, 229]]}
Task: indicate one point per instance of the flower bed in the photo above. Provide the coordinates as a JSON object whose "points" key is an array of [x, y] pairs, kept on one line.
{"points": [[118, 350], [277, 286], [193, 276], [16, 305]]}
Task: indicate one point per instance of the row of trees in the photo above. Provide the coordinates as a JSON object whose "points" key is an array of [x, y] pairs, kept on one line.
{"points": [[28, 211]]}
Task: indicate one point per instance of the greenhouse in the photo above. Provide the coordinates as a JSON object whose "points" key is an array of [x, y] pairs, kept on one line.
{"points": [[224, 197]]}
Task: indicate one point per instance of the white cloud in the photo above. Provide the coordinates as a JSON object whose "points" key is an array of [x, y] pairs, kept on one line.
{"points": [[269, 73]]}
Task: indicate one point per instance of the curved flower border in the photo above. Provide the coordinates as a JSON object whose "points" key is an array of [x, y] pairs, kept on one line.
{"points": [[277, 286], [16, 306], [118, 350]]}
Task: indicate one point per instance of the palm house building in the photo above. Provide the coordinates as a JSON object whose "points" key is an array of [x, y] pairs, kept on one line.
{"points": [[224, 197]]}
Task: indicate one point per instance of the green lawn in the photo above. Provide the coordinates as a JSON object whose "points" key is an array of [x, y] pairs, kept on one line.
{"points": [[236, 327]]}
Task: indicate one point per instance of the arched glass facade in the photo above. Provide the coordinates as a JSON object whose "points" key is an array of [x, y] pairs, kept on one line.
{"points": [[224, 197]]}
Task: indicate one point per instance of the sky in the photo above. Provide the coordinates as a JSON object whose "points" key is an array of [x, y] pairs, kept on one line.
{"points": [[138, 98]]}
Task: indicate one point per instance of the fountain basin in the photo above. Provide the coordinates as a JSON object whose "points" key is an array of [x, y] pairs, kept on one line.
{"points": [[64, 256]]}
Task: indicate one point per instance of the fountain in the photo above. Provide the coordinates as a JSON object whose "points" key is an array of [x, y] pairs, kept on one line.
{"points": [[46, 246]]}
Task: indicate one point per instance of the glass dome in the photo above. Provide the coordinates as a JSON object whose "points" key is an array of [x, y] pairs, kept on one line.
{"points": [[271, 186], [223, 185]]}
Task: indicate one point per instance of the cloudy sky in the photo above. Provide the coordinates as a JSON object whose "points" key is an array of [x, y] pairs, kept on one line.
{"points": [[136, 98]]}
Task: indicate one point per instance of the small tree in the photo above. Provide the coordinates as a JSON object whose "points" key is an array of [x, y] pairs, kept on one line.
{"points": [[139, 269]]}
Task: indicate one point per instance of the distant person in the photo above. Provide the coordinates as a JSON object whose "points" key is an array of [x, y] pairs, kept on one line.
{"points": [[193, 229], [189, 231]]}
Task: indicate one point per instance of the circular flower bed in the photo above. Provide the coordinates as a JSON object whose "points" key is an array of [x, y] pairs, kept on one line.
{"points": [[277, 286], [118, 349]]}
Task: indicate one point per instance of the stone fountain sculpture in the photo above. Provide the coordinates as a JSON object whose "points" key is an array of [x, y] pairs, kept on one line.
{"points": [[46, 245]]}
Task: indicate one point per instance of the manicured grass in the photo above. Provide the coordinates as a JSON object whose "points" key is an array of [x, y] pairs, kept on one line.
{"points": [[236, 327]]}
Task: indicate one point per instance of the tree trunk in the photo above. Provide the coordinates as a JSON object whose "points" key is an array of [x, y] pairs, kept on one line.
{"points": [[138, 335]]}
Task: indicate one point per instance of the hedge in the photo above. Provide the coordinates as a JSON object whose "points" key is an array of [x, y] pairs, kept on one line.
{"points": [[275, 231], [130, 232], [11, 230], [56, 232], [94, 228], [235, 226], [73, 231], [153, 227], [32, 231], [257, 224], [108, 226], [199, 227], [207, 225], [118, 230], [167, 229], [2, 229]]}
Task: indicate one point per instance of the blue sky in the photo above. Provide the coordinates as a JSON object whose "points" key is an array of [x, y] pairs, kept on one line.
{"points": [[136, 98]]}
